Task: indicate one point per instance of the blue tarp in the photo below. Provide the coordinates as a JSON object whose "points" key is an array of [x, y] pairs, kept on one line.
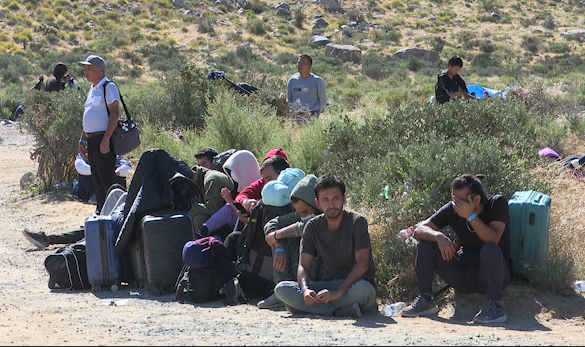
{"points": [[479, 91]]}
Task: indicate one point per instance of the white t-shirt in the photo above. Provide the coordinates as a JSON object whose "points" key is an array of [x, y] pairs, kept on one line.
{"points": [[95, 115]]}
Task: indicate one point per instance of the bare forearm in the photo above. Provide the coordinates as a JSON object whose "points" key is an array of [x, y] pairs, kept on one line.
{"points": [[289, 231], [304, 280], [426, 233], [359, 269], [112, 123]]}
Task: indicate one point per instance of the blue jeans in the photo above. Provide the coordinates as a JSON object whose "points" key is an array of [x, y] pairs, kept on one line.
{"points": [[361, 292]]}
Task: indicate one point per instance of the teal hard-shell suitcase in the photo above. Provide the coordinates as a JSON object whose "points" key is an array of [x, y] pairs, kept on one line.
{"points": [[529, 222]]}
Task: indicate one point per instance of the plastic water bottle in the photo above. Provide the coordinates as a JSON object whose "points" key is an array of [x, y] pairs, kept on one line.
{"points": [[406, 233], [579, 286], [393, 309]]}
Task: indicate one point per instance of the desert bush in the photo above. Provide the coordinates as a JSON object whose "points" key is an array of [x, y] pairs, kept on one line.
{"points": [[559, 47], [381, 67], [553, 274], [162, 57], [54, 121], [531, 44], [256, 26], [258, 6]]}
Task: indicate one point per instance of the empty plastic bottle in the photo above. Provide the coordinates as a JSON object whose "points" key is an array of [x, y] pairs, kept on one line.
{"points": [[579, 286], [393, 309], [406, 233]]}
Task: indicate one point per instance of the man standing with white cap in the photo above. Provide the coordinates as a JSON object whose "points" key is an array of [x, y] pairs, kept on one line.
{"points": [[99, 122]]}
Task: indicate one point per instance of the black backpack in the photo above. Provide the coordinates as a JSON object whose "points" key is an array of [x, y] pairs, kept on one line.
{"points": [[67, 268], [254, 263], [221, 158], [203, 285]]}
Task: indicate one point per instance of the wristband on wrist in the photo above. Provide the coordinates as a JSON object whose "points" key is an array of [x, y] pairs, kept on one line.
{"points": [[279, 250], [472, 217], [82, 141], [303, 288]]}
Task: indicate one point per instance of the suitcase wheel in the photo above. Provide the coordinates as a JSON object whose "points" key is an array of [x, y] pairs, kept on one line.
{"points": [[114, 287], [156, 291], [96, 288]]}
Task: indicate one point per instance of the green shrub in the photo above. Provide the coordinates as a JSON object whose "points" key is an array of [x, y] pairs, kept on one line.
{"points": [[284, 58], [531, 44], [54, 121], [299, 17], [232, 122], [256, 26], [559, 47], [258, 6]]}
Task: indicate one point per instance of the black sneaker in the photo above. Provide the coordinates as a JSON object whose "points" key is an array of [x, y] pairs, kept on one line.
{"points": [[352, 310], [420, 307], [40, 240], [490, 314]]}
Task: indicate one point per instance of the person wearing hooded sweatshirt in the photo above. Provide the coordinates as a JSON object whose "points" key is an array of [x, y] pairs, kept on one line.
{"points": [[55, 82], [283, 234], [210, 182], [242, 167], [253, 193]]}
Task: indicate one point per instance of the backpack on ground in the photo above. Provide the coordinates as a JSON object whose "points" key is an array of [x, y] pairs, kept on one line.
{"points": [[254, 264], [67, 268], [207, 268]]}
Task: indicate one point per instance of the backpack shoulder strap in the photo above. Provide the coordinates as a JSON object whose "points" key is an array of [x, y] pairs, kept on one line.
{"points": [[121, 99]]}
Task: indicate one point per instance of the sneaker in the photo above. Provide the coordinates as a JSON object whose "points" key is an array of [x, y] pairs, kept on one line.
{"points": [[40, 240], [490, 314], [420, 307], [271, 302], [92, 200], [293, 310], [352, 310]]}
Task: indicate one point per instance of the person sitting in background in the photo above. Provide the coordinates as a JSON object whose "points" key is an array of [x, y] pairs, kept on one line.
{"points": [[482, 265], [340, 237], [242, 167], [55, 82], [69, 82], [283, 234], [40, 85], [205, 157], [85, 191]]}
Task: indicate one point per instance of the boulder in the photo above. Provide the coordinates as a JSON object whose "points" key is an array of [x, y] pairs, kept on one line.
{"points": [[283, 12], [432, 19], [331, 5], [27, 180], [417, 52], [284, 5], [98, 12], [320, 41], [320, 23], [577, 32], [2, 15], [179, 3], [495, 15], [581, 4], [225, 3], [343, 52]]}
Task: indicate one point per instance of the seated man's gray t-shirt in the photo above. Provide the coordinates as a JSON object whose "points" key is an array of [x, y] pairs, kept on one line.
{"points": [[337, 247], [306, 94]]}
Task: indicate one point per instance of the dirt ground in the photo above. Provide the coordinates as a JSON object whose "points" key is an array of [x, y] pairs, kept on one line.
{"points": [[32, 314]]}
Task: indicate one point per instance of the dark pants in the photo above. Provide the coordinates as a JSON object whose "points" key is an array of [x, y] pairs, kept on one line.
{"points": [[231, 243], [103, 168], [85, 187], [491, 278]]}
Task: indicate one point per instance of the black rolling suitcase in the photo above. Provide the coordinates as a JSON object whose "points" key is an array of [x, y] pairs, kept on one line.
{"points": [[157, 254]]}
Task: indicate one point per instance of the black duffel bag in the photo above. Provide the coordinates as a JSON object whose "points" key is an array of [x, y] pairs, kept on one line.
{"points": [[67, 268]]}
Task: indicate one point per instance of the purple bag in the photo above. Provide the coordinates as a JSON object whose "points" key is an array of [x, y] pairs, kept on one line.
{"points": [[197, 253]]}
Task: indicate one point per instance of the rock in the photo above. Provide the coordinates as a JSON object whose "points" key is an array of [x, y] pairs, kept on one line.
{"points": [[320, 41], [179, 3], [2, 15], [432, 19], [495, 15], [577, 32], [225, 3], [581, 4], [331, 5], [27, 180], [283, 12], [320, 23], [284, 5], [240, 11], [98, 12], [90, 23], [343, 52], [417, 52], [214, 9]]}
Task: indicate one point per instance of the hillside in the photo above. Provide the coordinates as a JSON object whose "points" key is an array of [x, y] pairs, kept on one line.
{"points": [[491, 34]]}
